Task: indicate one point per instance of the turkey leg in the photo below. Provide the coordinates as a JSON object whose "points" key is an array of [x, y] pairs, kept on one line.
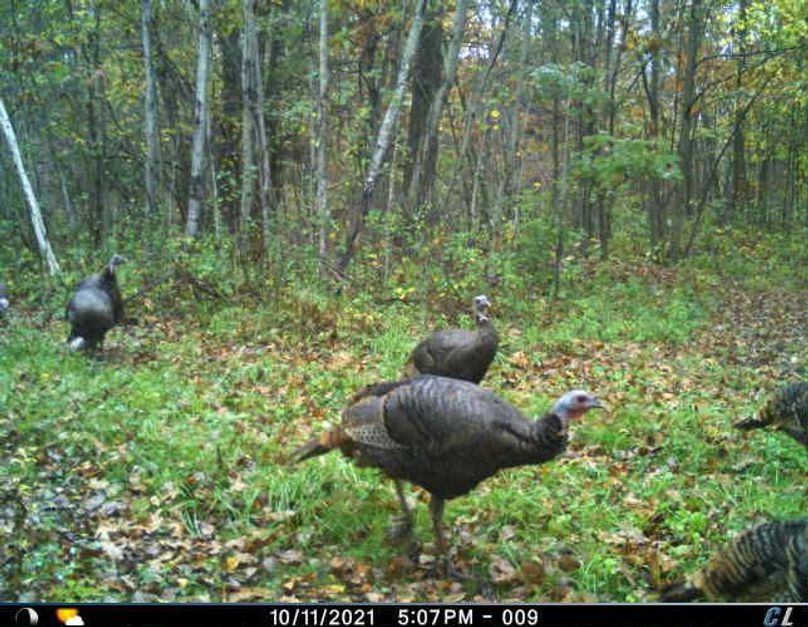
{"points": [[436, 505], [403, 524]]}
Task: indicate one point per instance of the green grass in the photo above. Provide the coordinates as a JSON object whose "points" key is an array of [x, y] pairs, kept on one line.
{"points": [[158, 470]]}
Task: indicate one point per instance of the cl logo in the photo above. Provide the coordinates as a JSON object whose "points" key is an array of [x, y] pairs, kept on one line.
{"points": [[773, 619]]}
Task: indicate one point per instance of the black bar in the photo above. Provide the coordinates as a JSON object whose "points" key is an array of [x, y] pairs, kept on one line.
{"points": [[405, 615]]}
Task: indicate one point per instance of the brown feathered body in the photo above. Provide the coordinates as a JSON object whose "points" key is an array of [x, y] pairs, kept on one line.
{"points": [[786, 411], [768, 563], [457, 353], [445, 435]]}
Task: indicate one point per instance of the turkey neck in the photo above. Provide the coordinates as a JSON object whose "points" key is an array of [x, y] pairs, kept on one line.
{"points": [[485, 326], [543, 440]]}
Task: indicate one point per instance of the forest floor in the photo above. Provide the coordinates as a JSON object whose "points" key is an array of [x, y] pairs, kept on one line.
{"points": [[157, 470]]}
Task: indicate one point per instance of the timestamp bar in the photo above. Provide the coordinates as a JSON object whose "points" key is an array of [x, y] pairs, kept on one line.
{"points": [[405, 615]]}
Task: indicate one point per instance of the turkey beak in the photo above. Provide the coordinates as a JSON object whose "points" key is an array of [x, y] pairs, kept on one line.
{"points": [[599, 404]]}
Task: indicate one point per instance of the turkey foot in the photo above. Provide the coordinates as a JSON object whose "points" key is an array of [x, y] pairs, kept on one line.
{"points": [[445, 569]]}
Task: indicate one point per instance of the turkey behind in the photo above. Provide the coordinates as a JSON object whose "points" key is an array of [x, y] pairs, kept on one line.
{"points": [[95, 307], [445, 435], [458, 353], [787, 411], [4, 302], [768, 563]]}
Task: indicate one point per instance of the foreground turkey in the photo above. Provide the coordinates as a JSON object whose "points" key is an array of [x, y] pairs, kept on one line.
{"points": [[787, 411], [95, 307], [458, 353], [445, 435], [4, 302], [768, 563]]}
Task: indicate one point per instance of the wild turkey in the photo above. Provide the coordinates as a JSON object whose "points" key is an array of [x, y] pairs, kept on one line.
{"points": [[787, 411], [445, 435], [4, 302], [768, 563], [458, 353], [96, 306]]}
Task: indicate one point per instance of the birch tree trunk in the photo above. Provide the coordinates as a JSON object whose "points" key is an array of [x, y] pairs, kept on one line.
{"points": [[321, 199], [38, 224], [197, 186], [436, 108], [152, 138], [385, 136], [248, 169]]}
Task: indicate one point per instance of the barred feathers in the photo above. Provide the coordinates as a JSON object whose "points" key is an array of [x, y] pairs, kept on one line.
{"points": [[766, 563]]}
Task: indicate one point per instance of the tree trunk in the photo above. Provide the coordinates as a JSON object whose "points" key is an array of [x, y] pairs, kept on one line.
{"points": [[248, 163], [228, 137], [197, 187], [38, 224], [263, 156], [656, 210], [737, 196], [151, 132], [425, 162], [255, 166], [96, 132], [696, 22], [426, 82], [321, 199], [385, 136], [510, 158]]}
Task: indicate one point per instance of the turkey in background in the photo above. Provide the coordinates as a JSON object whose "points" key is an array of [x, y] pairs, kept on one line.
{"points": [[786, 411], [95, 307], [445, 435], [458, 353], [768, 563]]}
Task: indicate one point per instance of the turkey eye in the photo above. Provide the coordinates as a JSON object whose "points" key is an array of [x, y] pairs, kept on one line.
{"points": [[581, 399]]}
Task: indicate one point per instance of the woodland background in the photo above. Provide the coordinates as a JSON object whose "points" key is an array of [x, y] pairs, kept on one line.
{"points": [[304, 189]]}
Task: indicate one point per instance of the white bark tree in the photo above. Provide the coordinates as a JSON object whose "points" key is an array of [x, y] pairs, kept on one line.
{"points": [[152, 138], [321, 200], [201, 113], [248, 164], [38, 224]]}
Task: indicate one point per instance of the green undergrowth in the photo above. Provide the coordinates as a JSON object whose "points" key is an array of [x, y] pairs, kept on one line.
{"points": [[158, 469]]}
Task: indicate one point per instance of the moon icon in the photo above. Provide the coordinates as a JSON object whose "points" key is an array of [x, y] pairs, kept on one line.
{"points": [[26, 616]]}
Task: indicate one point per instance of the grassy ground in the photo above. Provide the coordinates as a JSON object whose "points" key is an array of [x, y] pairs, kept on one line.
{"points": [[157, 470]]}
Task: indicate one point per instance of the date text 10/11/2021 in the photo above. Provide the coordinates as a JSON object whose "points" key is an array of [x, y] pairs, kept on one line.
{"points": [[369, 616]]}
